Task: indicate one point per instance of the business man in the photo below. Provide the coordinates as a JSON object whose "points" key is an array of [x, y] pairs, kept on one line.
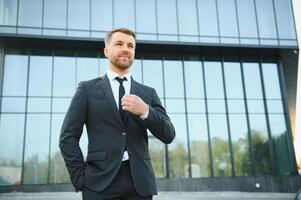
{"points": [[117, 111]]}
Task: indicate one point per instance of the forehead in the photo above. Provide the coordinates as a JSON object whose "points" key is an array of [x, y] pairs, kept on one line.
{"points": [[119, 36]]}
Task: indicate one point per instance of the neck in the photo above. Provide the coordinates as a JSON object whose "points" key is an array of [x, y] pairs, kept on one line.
{"points": [[119, 71]]}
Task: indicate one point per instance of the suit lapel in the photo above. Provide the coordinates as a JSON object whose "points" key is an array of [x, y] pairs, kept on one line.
{"points": [[106, 87]]}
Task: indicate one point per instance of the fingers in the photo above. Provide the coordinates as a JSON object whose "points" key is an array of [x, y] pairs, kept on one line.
{"points": [[133, 104]]}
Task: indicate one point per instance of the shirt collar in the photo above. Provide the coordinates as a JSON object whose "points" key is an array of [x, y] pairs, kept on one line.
{"points": [[112, 75]]}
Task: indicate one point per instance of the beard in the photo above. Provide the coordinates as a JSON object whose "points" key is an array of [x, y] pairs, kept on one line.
{"points": [[121, 63]]}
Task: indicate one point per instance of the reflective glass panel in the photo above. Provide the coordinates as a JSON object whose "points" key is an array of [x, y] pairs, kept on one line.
{"points": [[214, 79], [285, 19], [55, 14], [194, 79], [58, 171], [240, 144], [15, 75], [60, 105], [252, 80], [153, 75], [266, 18], [207, 10], [233, 80], [64, 83], [260, 145], [79, 14], [187, 17], [8, 12], [227, 18], [195, 105], [156, 149], [198, 136], [216, 106], [236, 106], [255, 106], [167, 17], [11, 148], [173, 77], [124, 14], [36, 149], [177, 150], [271, 81], [13, 104], [38, 105], [246, 18], [30, 13], [87, 68], [175, 105], [275, 106], [40, 76], [136, 70], [279, 135], [220, 145], [146, 14], [102, 15]]}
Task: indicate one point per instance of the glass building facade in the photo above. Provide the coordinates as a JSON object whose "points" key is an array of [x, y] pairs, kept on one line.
{"points": [[221, 69]]}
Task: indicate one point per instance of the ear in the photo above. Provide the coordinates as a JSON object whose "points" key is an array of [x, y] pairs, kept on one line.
{"points": [[106, 52]]}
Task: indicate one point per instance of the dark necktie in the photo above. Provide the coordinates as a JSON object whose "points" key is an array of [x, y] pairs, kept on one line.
{"points": [[121, 94]]}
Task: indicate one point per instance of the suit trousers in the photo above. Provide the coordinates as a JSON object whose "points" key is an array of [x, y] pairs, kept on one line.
{"points": [[121, 188]]}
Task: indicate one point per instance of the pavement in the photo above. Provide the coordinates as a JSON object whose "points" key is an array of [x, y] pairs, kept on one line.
{"points": [[161, 196]]}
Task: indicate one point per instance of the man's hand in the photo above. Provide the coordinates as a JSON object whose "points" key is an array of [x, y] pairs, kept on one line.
{"points": [[134, 104]]}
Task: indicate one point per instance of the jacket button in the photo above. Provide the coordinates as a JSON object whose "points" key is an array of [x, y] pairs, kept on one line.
{"points": [[123, 133]]}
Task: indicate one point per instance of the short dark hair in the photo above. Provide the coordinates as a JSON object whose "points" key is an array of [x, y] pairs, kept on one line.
{"points": [[122, 30]]}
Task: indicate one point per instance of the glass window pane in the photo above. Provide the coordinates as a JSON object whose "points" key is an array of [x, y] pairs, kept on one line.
{"points": [[173, 76], [58, 171], [194, 79], [13, 104], [102, 16], [11, 148], [214, 79], [271, 81], [279, 135], [240, 144], [266, 19], [87, 68], [246, 18], [36, 149], [285, 19], [55, 13], [167, 17], [220, 145], [236, 106], [207, 10], [260, 145], [153, 75], [177, 150], [227, 18], [216, 106], [175, 105], [252, 80], [198, 136], [187, 13], [124, 14], [38, 105], [8, 12], [40, 85], [136, 71], [60, 105], [79, 14], [30, 13], [146, 14], [64, 83], [255, 106], [233, 80], [15, 75], [156, 149], [195, 105], [275, 106]]}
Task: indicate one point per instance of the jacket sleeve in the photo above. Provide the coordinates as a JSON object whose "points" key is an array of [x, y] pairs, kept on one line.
{"points": [[70, 135], [158, 121]]}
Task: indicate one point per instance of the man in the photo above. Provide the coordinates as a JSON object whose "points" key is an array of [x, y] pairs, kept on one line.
{"points": [[117, 111]]}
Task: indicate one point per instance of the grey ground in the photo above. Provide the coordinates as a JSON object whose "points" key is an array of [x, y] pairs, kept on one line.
{"points": [[161, 196]]}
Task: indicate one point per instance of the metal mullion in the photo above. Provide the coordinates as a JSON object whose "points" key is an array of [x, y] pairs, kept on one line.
{"points": [[271, 142], [218, 23], [248, 119], [177, 15], [228, 121], [237, 21], [207, 120], [257, 25], [198, 20], [276, 24], [43, 12], [157, 26]]}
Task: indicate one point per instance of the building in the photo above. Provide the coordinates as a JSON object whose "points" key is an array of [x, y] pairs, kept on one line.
{"points": [[226, 72]]}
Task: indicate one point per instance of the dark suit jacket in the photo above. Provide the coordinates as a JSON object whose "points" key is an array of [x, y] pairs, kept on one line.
{"points": [[93, 105]]}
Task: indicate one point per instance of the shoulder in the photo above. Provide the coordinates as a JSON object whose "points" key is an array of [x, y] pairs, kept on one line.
{"points": [[141, 86]]}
